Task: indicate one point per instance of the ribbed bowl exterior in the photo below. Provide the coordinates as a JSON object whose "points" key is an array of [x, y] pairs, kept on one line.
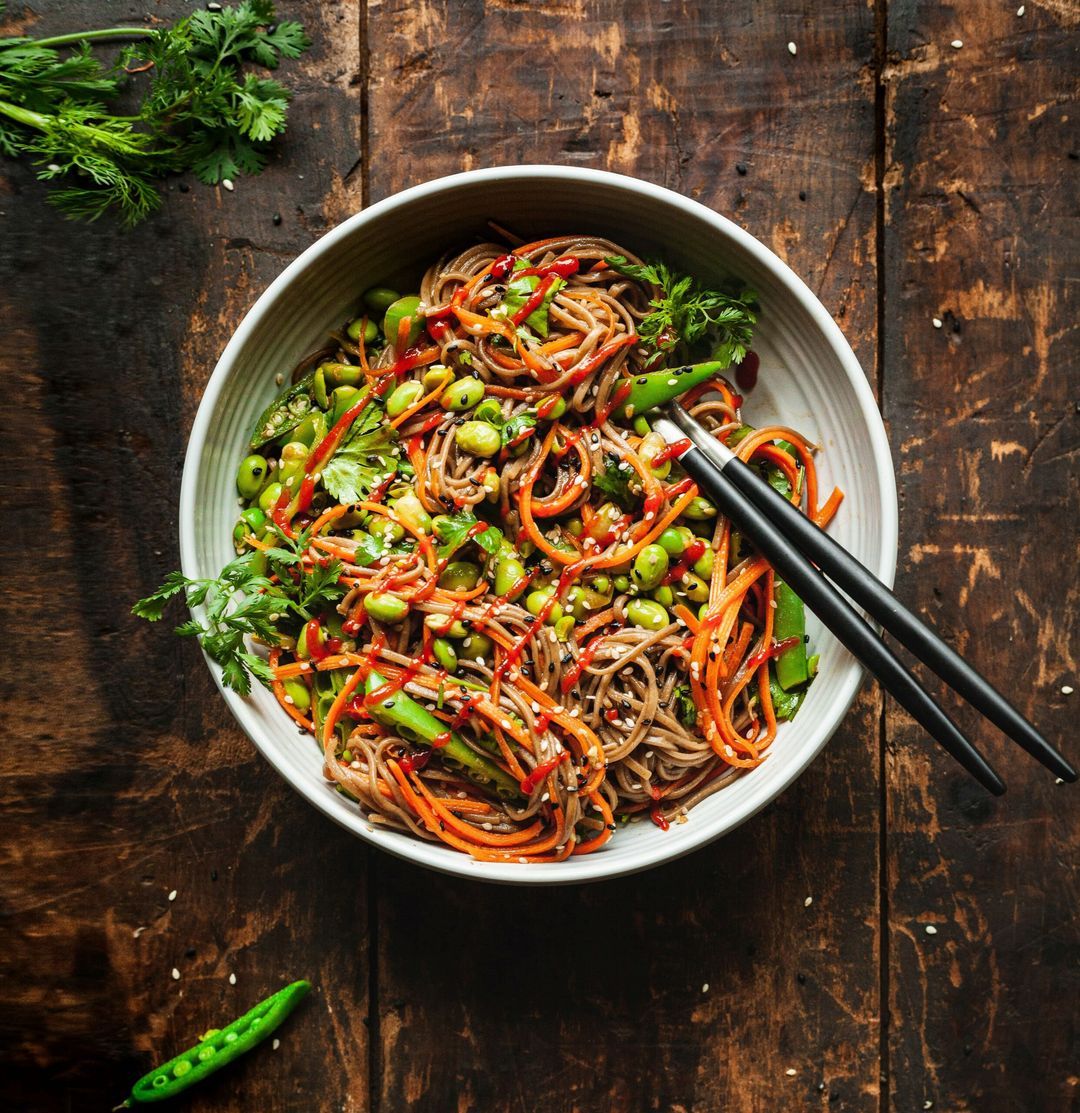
{"points": [[809, 379]]}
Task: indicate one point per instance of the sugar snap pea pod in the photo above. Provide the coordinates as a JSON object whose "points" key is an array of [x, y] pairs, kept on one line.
{"points": [[216, 1049], [789, 621], [414, 722], [285, 413], [658, 387]]}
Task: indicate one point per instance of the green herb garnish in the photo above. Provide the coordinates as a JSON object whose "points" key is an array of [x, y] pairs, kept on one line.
{"points": [[614, 481], [453, 531], [201, 112], [364, 461]]}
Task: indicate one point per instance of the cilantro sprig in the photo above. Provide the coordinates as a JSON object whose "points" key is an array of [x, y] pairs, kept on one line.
{"points": [[684, 312], [242, 601], [201, 110]]}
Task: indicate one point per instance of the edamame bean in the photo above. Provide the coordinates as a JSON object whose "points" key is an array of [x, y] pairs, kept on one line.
{"points": [[385, 607], [440, 625], [404, 396], [341, 374], [553, 413], [363, 326], [411, 511], [268, 498], [252, 521], [603, 521], [404, 309], [342, 400], [575, 527], [445, 654], [379, 299], [478, 438], [475, 647], [672, 542], [385, 530], [696, 589], [699, 509], [622, 584], [250, 475], [650, 567], [601, 585], [297, 690], [537, 600], [664, 595], [647, 614], [508, 576], [436, 375], [462, 395], [293, 458], [303, 650], [703, 566], [460, 575], [492, 484], [564, 626], [652, 444], [311, 430]]}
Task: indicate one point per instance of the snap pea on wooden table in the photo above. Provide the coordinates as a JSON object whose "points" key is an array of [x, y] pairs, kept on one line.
{"points": [[907, 181]]}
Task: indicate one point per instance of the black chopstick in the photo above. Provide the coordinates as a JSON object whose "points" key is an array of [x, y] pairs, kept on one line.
{"points": [[773, 510]]}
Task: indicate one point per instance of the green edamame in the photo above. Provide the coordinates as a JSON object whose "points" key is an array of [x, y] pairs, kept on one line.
{"points": [[652, 445], [250, 475], [460, 575], [269, 496], [252, 521], [621, 584], [341, 401], [298, 692], [703, 566], [436, 375], [445, 654], [564, 626], [404, 396], [535, 602], [387, 531], [699, 510], [462, 395], [385, 607], [672, 542], [647, 614], [411, 511], [293, 458], [217, 1047], [379, 299], [510, 579], [363, 326], [695, 588], [664, 595], [650, 567], [489, 410], [403, 310], [475, 647], [478, 438]]}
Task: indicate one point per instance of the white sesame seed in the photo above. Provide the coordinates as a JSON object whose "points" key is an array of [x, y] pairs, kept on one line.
{"points": [[1020, 11], [575, 713], [931, 930], [956, 44], [1059, 781], [809, 901], [705, 988], [937, 322], [1066, 689], [227, 184], [289, 700], [930, 1104], [355, 764], [276, 1044], [172, 895], [524, 861], [673, 382], [792, 49], [53, 168], [175, 974], [545, 798], [791, 1072], [137, 932], [535, 707]]}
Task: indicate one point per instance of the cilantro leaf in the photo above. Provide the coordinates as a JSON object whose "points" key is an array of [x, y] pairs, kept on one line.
{"points": [[614, 482], [364, 460], [785, 704], [685, 312], [514, 430], [518, 292], [153, 606], [453, 531], [684, 706]]}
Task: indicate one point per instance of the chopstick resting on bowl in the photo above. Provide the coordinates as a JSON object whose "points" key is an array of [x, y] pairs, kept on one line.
{"points": [[807, 558]]}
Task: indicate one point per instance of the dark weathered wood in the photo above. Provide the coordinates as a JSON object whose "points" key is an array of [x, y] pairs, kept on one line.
{"points": [[123, 775], [593, 999], [981, 234]]}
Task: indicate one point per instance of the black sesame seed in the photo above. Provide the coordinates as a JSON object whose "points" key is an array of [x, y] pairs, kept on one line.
{"points": [[802, 194], [740, 169], [276, 218]]}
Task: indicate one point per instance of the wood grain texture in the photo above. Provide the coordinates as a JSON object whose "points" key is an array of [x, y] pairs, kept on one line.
{"points": [[129, 780], [982, 234], [593, 999]]}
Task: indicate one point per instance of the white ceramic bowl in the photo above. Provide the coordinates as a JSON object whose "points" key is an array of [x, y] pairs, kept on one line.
{"points": [[809, 378]]}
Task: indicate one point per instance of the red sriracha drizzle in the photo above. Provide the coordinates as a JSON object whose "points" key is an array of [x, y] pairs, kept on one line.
{"points": [[773, 650], [573, 675], [746, 373], [619, 395], [671, 452], [530, 782], [693, 552], [318, 649]]}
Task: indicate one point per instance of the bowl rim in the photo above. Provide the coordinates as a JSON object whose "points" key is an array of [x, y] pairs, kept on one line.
{"points": [[589, 867]]}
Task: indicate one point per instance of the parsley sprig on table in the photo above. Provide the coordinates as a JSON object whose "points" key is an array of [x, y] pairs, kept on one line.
{"points": [[200, 112], [243, 601], [684, 312]]}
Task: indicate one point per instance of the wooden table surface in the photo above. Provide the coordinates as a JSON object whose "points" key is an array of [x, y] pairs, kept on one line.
{"points": [[906, 179]]}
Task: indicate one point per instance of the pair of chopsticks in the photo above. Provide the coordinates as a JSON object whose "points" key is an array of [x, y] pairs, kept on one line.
{"points": [[803, 555]]}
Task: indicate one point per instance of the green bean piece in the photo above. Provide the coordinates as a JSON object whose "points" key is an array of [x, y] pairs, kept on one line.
{"points": [[510, 578], [379, 299], [460, 575], [342, 400], [404, 309], [647, 614], [269, 496], [415, 723], [478, 438], [650, 567], [385, 607], [641, 425], [286, 411], [217, 1048], [404, 396], [318, 388], [298, 692], [789, 621], [312, 429], [250, 475], [445, 654], [658, 387], [699, 509], [252, 521], [412, 512], [462, 395]]}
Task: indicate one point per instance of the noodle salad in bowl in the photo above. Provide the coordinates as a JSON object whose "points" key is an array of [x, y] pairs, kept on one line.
{"points": [[468, 568]]}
